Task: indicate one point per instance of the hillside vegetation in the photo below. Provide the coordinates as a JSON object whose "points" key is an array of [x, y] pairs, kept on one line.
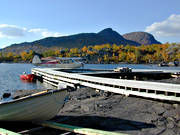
{"points": [[106, 53]]}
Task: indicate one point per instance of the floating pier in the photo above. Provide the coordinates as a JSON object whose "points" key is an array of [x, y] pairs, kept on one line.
{"points": [[109, 81]]}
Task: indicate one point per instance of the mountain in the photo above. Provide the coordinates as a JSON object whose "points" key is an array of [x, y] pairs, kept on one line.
{"points": [[142, 38], [79, 40], [111, 36], [114, 37]]}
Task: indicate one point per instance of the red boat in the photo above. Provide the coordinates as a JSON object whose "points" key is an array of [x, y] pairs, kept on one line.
{"points": [[28, 77]]}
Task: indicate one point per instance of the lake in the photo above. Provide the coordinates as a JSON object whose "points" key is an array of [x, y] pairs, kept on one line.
{"points": [[10, 82]]}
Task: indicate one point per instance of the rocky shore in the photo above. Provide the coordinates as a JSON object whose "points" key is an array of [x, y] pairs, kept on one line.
{"points": [[117, 113]]}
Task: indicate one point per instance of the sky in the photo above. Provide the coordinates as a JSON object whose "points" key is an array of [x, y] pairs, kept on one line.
{"points": [[29, 20]]}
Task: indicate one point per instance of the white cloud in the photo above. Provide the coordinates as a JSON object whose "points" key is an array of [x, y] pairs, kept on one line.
{"points": [[51, 34], [10, 31], [38, 30], [167, 28], [45, 33], [13, 31]]}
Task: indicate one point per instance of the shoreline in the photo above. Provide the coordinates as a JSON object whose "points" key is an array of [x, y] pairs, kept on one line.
{"points": [[123, 63]]}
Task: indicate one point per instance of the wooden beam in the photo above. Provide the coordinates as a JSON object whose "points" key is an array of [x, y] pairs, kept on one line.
{"points": [[75, 129], [30, 130], [7, 132]]}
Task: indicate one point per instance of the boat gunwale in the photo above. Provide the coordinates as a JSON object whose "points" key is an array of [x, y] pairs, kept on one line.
{"points": [[33, 96]]}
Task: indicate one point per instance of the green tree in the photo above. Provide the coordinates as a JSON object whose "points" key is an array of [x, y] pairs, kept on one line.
{"points": [[137, 55]]}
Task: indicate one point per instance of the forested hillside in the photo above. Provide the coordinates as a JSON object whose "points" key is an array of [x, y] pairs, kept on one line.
{"points": [[106, 53]]}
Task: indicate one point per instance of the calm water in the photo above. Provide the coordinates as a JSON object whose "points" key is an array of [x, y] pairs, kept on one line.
{"points": [[9, 77], [9, 74]]}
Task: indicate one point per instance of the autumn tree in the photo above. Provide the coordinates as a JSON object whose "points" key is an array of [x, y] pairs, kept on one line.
{"points": [[84, 49], [137, 55], [122, 56]]}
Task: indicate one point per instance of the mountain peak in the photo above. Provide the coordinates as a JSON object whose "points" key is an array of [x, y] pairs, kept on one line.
{"points": [[142, 38], [107, 30], [111, 35]]}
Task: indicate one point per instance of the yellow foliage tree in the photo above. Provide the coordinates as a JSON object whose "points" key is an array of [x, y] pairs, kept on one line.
{"points": [[74, 50], [23, 55], [9, 55], [84, 49], [57, 53]]}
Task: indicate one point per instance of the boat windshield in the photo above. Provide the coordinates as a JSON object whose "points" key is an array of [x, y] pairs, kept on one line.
{"points": [[68, 61]]}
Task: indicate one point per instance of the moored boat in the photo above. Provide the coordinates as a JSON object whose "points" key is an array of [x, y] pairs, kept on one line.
{"points": [[57, 62], [28, 77], [35, 107]]}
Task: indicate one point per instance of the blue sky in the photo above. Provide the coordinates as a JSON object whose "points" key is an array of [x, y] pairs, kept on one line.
{"points": [[29, 20]]}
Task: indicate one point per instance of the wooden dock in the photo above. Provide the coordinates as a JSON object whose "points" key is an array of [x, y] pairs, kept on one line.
{"points": [[155, 90]]}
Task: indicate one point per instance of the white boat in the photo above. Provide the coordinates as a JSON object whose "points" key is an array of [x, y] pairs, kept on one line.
{"points": [[36, 107], [57, 62]]}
